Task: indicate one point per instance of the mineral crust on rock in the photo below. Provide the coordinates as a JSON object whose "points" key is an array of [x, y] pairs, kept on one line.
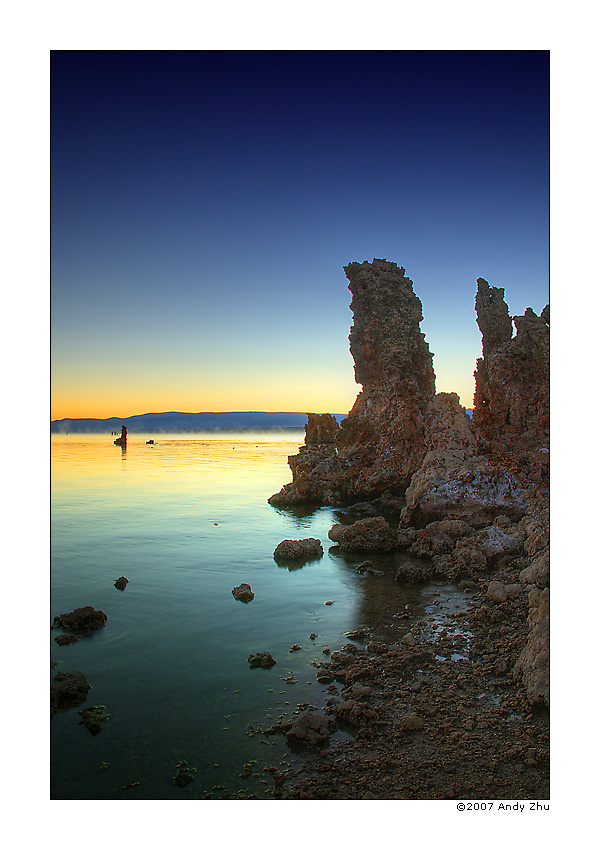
{"points": [[454, 481]]}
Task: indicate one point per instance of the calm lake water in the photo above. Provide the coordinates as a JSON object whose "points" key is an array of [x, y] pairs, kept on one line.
{"points": [[186, 520]]}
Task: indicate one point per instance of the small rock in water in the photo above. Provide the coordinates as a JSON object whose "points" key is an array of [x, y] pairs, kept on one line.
{"points": [[243, 592], [357, 634], [80, 620], [68, 690], [325, 677], [307, 549], [312, 636], [121, 583], [184, 774], [412, 573], [93, 717], [368, 569], [295, 647], [261, 659], [63, 640]]}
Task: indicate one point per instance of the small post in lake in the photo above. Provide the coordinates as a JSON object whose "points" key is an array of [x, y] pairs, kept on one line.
{"points": [[122, 440]]}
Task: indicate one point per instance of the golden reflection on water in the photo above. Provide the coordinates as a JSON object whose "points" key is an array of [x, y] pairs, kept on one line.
{"points": [[191, 460]]}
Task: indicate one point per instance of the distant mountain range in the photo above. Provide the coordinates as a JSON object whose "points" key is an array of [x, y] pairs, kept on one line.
{"points": [[174, 422]]}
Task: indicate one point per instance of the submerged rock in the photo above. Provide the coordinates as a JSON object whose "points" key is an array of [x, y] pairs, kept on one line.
{"points": [[262, 659], [81, 620], [64, 640], [243, 592], [93, 718], [308, 549], [68, 690], [412, 573], [184, 774]]}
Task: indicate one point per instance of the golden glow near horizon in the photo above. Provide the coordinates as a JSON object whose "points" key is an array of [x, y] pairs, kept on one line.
{"points": [[102, 402], [105, 399]]}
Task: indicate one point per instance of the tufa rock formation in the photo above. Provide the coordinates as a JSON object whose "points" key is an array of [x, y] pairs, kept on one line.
{"points": [[455, 482], [476, 491], [512, 391], [381, 443]]}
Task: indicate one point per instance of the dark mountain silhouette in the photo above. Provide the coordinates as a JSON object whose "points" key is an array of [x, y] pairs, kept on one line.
{"points": [[174, 422]]}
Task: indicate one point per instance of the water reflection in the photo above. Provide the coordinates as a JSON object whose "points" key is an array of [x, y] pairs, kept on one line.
{"points": [[301, 515], [389, 608], [189, 522], [294, 563]]}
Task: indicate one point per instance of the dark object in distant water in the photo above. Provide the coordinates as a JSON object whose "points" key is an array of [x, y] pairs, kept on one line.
{"points": [[149, 442], [184, 774], [243, 592], [122, 440], [121, 583], [92, 718], [81, 620]]}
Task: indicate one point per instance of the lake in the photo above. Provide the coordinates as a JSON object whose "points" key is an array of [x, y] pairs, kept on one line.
{"points": [[186, 520]]}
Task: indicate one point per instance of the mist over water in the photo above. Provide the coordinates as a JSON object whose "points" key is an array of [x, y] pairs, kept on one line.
{"points": [[186, 520]]}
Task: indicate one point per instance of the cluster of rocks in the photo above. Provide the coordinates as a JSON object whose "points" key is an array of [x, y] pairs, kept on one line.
{"points": [[70, 689], [436, 715], [474, 493]]}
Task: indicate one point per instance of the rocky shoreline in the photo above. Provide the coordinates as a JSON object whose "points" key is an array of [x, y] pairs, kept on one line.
{"points": [[457, 709]]}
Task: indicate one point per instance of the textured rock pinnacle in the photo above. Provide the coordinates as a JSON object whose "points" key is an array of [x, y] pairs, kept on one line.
{"points": [[380, 444]]}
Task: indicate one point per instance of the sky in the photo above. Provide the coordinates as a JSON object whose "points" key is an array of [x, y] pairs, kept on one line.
{"points": [[204, 203]]}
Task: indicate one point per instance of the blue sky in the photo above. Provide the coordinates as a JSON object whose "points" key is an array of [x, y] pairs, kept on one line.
{"points": [[204, 204]]}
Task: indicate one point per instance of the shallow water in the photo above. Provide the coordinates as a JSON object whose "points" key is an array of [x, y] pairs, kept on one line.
{"points": [[186, 520]]}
